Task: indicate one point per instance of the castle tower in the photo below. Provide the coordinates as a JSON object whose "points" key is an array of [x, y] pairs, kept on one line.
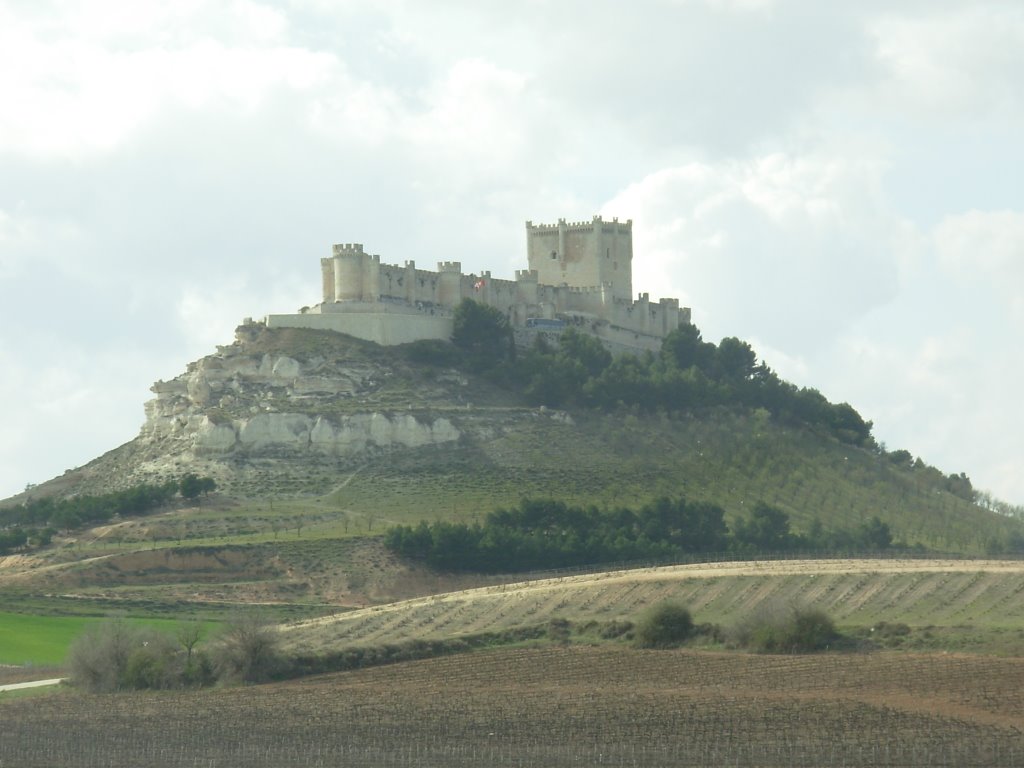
{"points": [[327, 274], [449, 283], [583, 254], [350, 274], [526, 286]]}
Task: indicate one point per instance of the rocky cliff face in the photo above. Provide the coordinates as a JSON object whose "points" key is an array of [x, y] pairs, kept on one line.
{"points": [[238, 403], [282, 408], [335, 396]]}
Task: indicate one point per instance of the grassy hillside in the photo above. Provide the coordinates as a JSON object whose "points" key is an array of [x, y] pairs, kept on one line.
{"points": [[977, 599], [730, 458], [300, 534]]}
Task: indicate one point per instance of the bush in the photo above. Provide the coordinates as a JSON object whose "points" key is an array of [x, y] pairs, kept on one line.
{"points": [[115, 656], [800, 630], [154, 662], [249, 651], [666, 625], [98, 659]]}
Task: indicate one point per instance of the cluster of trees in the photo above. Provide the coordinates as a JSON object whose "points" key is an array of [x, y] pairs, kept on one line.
{"points": [[688, 373], [34, 522], [13, 539], [774, 629], [544, 534], [116, 655]]}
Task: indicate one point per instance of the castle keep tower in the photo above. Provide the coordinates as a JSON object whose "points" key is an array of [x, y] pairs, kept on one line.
{"points": [[584, 254]]}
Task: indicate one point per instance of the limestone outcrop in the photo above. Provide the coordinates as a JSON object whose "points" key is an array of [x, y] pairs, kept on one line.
{"points": [[243, 402]]}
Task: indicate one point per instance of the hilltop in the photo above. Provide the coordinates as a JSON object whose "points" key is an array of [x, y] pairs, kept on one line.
{"points": [[417, 432]]}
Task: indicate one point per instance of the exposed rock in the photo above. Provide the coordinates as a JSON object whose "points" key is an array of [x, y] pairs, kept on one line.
{"points": [[239, 404], [215, 438]]}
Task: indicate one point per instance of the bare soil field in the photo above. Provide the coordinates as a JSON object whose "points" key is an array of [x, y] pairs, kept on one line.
{"points": [[607, 705], [24, 674]]}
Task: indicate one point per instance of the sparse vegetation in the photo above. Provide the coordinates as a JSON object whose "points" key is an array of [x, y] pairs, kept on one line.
{"points": [[47, 515]]}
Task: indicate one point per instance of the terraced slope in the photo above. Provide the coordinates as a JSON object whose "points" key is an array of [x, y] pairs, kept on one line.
{"points": [[985, 594]]}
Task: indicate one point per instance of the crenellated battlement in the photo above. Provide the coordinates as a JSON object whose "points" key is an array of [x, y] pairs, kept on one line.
{"points": [[347, 249], [562, 224], [579, 269]]}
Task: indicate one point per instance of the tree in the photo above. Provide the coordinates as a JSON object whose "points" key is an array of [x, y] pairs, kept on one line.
{"points": [[902, 458], [584, 349], [484, 333], [190, 486], [874, 534], [188, 634], [98, 659], [685, 348], [249, 650], [665, 625], [766, 529], [736, 360]]}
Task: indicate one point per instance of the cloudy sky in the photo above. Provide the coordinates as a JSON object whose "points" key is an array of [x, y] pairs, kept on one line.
{"points": [[838, 183]]}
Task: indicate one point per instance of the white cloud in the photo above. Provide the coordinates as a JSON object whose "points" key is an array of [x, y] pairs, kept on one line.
{"points": [[985, 250], [209, 314], [984, 242], [963, 61], [763, 246], [85, 90], [71, 406]]}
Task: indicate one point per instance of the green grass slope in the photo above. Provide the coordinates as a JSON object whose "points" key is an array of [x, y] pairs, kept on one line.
{"points": [[729, 458]]}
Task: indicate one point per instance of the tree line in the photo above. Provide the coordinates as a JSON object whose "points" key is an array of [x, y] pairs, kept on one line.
{"points": [[36, 521], [543, 534]]}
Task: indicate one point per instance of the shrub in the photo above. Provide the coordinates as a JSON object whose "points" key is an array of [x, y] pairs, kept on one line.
{"points": [[154, 662], [664, 626], [560, 630], [615, 628], [98, 659], [248, 651], [115, 655], [799, 630]]}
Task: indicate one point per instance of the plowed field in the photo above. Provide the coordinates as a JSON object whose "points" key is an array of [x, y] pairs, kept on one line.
{"points": [[574, 706]]}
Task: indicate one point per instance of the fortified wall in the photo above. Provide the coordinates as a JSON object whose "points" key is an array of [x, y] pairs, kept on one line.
{"points": [[580, 275]]}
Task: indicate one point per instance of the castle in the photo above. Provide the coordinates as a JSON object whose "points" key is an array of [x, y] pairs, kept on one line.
{"points": [[579, 274]]}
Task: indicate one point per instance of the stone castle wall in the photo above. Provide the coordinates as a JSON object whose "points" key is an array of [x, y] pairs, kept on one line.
{"points": [[580, 274]]}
